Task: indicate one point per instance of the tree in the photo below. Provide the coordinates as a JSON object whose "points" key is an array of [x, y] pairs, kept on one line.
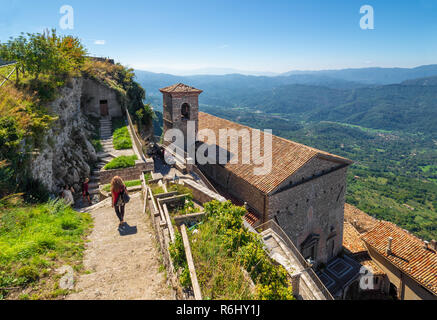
{"points": [[44, 53]]}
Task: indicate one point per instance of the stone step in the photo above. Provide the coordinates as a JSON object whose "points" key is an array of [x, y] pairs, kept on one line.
{"points": [[102, 155], [106, 160], [93, 185], [96, 173], [94, 191], [100, 165], [95, 179]]}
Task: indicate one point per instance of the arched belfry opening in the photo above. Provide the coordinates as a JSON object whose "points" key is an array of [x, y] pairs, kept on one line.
{"points": [[185, 111]]}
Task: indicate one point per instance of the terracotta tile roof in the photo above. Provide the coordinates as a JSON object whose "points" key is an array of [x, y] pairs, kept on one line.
{"points": [[408, 253], [356, 247], [251, 218], [180, 88], [359, 219], [288, 156], [351, 239], [368, 262]]}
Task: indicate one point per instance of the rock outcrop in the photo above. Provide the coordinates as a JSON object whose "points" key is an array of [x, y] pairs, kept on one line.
{"points": [[67, 154]]}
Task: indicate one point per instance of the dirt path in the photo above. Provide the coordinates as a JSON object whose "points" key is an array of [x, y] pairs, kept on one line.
{"points": [[124, 266]]}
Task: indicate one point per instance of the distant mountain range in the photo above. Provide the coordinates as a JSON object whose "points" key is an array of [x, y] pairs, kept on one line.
{"points": [[390, 98], [373, 75]]}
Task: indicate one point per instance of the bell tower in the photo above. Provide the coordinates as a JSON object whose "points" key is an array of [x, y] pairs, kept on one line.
{"points": [[181, 110]]}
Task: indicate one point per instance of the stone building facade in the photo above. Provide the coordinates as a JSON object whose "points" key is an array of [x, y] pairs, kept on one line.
{"points": [[304, 192], [99, 100]]}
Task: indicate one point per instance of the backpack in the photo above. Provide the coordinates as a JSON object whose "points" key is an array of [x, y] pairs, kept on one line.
{"points": [[123, 198]]}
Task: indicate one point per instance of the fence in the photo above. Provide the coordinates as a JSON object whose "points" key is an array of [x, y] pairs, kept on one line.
{"points": [[308, 270], [10, 74]]}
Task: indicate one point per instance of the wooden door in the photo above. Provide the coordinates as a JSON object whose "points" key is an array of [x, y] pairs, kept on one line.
{"points": [[104, 111]]}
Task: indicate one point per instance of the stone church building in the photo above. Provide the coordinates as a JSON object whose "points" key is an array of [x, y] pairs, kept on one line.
{"points": [[304, 192]]}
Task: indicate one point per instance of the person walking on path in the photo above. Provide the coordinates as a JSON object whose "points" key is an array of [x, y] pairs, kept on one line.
{"points": [[85, 191], [118, 188]]}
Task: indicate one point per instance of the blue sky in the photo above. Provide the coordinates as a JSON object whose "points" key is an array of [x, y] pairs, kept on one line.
{"points": [[255, 35]]}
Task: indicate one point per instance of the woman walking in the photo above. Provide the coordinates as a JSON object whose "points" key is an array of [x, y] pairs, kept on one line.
{"points": [[118, 188]]}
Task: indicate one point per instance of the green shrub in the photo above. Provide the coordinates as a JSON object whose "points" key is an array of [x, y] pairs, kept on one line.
{"points": [[97, 144], [121, 138], [222, 248], [122, 162]]}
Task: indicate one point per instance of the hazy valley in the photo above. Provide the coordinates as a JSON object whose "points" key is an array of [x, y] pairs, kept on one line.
{"points": [[383, 119]]}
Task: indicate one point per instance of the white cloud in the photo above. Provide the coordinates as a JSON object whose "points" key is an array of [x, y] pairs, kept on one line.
{"points": [[224, 46], [100, 42]]}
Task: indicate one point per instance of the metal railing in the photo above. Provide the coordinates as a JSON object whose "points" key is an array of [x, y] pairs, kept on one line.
{"points": [[272, 225]]}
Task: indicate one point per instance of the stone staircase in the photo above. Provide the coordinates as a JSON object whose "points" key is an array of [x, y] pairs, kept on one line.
{"points": [[304, 286], [104, 157]]}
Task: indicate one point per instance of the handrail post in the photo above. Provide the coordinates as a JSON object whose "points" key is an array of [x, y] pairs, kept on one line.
{"points": [[194, 282]]}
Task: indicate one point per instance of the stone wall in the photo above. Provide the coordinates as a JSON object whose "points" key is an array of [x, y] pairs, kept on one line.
{"points": [[202, 194], [236, 187], [127, 174], [93, 93], [67, 153], [313, 207]]}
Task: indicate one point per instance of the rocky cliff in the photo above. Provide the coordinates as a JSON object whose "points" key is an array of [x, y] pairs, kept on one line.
{"points": [[67, 153]]}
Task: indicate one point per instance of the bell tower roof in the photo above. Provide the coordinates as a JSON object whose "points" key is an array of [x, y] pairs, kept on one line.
{"points": [[180, 88]]}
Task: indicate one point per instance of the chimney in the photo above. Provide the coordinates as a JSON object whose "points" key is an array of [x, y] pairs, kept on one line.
{"points": [[434, 245], [426, 245], [389, 244]]}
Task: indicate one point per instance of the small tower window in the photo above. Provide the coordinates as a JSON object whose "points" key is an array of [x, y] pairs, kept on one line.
{"points": [[185, 111]]}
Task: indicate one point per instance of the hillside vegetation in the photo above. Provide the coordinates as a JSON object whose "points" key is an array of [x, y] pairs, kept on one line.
{"points": [[222, 248], [38, 235]]}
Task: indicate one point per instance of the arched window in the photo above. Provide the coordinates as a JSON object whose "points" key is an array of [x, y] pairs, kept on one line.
{"points": [[185, 111]]}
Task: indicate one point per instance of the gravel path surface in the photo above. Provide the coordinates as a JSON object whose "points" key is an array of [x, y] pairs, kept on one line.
{"points": [[124, 265]]}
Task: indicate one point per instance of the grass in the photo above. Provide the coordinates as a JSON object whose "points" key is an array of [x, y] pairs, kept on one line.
{"points": [[230, 262], [121, 137], [122, 162], [156, 189], [36, 240], [180, 189], [148, 176], [128, 184]]}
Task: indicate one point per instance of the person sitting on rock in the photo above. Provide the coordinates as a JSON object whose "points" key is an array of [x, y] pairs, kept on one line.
{"points": [[68, 195]]}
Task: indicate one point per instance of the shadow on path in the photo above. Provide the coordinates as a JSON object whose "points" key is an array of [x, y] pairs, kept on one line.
{"points": [[127, 230]]}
